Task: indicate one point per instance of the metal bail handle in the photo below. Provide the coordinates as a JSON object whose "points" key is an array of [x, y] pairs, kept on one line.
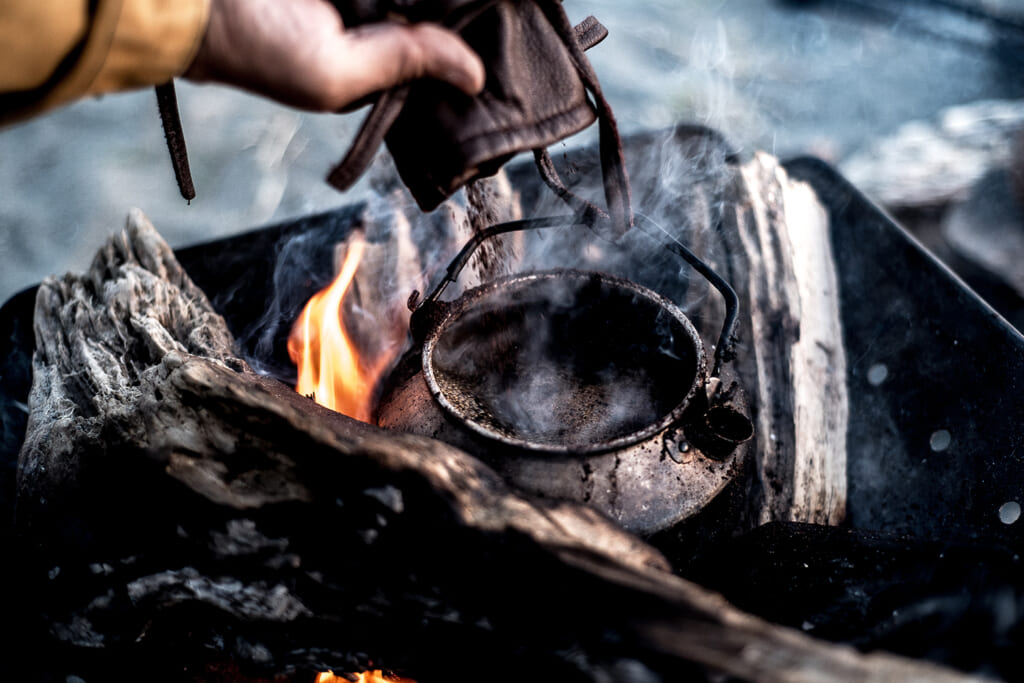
{"points": [[427, 310]]}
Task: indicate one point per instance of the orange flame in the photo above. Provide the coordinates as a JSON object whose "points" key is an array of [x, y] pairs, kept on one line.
{"points": [[375, 676], [337, 376], [331, 369]]}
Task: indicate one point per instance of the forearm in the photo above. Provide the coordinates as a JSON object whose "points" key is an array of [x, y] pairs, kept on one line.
{"points": [[55, 51]]}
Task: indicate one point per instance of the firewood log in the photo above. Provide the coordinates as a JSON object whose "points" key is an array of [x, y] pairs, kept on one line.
{"points": [[790, 301]]}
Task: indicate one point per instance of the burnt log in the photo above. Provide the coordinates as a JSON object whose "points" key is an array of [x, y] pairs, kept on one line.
{"points": [[798, 370], [179, 511]]}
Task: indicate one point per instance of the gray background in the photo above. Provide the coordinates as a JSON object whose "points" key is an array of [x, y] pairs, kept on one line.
{"points": [[824, 78]]}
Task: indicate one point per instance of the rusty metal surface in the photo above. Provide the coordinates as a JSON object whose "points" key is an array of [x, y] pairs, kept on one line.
{"points": [[564, 362], [646, 487], [572, 385]]}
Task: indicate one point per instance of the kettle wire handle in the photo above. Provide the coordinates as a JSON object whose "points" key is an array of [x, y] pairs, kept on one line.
{"points": [[724, 351]]}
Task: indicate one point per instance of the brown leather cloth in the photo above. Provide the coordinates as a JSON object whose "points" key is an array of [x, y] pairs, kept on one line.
{"points": [[536, 93], [54, 51]]}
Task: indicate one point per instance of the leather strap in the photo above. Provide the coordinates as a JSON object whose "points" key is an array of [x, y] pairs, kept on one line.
{"points": [[369, 138], [617, 192], [586, 211], [585, 35], [167, 103], [380, 119], [590, 32]]}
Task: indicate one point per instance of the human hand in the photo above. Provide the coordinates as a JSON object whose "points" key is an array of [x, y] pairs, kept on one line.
{"points": [[298, 52]]}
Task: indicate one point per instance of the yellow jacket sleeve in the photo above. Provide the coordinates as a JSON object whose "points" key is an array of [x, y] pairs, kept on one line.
{"points": [[55, 51]]}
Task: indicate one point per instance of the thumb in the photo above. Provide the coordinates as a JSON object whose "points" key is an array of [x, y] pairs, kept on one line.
{"points": [[379, 56]]}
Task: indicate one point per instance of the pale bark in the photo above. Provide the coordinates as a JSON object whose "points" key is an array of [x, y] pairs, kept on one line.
{"points": [[790, 303]]}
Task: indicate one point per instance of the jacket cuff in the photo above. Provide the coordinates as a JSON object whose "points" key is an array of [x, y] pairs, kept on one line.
{"points": [[152, 42]]}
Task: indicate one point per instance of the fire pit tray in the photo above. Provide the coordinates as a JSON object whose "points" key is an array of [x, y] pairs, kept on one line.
{"points": [[936, 430]]}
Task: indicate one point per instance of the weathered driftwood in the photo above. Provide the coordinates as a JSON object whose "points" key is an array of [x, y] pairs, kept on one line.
{"points": [[180, 509]]}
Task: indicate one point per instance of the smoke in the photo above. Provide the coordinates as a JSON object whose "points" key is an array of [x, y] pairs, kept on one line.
{"points": [[303, 265], [406, 250], [564, 359], [572, 366], [680, 179], [565, 363]]}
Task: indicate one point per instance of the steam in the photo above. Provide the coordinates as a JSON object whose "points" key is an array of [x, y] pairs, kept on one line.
{"points": [[538, 382], [537, 407], [680, 179], [572, 366], [566, 359], [406, 251]]}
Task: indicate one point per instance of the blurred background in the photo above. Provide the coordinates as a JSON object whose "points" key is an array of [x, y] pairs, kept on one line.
{"points": [[919, 102]]}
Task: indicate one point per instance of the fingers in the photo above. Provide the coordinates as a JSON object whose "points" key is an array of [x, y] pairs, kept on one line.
{"points": [[377, 57], [299, 53]]}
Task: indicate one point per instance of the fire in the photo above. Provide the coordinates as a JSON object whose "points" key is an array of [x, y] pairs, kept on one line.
{"points": [[375, 676], [337, 375], [331, 368]]}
